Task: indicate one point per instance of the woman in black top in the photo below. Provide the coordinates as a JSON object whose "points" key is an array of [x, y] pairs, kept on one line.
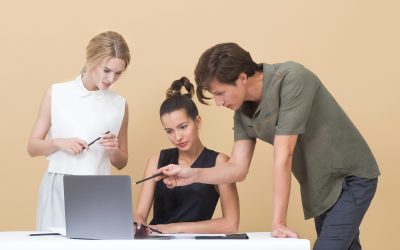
{"points": [[186, 209]]}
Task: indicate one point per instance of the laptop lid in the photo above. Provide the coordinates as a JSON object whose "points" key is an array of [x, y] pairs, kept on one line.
{"points": [[98, 207]]}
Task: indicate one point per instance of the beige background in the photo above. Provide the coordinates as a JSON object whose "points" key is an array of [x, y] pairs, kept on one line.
{"points": [[353, 46]]}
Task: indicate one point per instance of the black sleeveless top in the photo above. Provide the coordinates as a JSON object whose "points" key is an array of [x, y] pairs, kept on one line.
{"points": [[195, 202]]}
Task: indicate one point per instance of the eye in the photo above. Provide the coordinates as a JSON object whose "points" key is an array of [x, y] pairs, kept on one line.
{"points": [[168, 131], [106, 70], [183, 127]]}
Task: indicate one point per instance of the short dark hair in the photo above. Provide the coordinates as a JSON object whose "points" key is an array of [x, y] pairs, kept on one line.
{"points": [[223, 62], [176, 100]]}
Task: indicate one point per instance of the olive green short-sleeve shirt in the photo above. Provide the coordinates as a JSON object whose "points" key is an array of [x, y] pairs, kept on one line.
{"points": [[329, 147]]}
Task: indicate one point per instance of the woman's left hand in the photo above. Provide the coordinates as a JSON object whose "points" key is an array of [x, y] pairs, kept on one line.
{"points": [[109, 142]]}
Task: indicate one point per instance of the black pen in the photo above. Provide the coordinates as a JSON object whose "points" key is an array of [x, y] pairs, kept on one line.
{"points": [[98, 138], [148, 178], [43, 234]]}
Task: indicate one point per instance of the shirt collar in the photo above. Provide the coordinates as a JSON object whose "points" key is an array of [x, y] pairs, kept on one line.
{"points": [[84, 92]]}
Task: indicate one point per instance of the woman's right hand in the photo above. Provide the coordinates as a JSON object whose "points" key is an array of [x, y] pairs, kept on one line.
{"points": [[70, 145], [137, 226], [176, 175]]}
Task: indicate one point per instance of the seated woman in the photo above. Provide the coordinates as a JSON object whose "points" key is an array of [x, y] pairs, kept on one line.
{"points": [[187, 209]]}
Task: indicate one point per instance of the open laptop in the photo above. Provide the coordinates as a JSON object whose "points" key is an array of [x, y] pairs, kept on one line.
{"points": [[98, 207]]}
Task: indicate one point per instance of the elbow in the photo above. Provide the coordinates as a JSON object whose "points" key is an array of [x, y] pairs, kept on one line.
{"points": [[120, 165], [31, 151], [119, 161], [242, 174], [232, 227]]}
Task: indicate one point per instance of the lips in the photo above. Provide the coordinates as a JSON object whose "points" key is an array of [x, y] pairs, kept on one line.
{"points": [[182, 144], [105, 85]]}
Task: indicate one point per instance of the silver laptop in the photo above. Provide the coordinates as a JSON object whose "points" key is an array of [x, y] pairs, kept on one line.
{"points": [[98, 207]]}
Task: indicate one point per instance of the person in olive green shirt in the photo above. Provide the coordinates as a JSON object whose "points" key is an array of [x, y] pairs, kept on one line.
{"points": [[287, 106]]}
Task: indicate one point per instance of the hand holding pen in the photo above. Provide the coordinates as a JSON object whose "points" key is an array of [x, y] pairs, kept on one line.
{"points": [[74, 145], [108, 140], [98, 138], [70, 145]]}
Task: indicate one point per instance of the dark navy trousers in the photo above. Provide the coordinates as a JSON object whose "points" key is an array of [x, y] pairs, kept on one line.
{"points": [[338, 227]]}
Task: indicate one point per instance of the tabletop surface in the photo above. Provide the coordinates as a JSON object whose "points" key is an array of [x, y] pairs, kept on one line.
{"points": [[257, 240]]}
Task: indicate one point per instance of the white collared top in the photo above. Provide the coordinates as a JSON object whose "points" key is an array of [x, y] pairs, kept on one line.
{"points": [[77, 112]]}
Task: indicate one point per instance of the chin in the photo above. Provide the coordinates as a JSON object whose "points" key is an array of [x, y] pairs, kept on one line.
{"points": [[186, 148]]}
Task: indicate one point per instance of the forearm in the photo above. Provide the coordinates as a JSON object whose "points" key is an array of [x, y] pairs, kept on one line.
{"points": [[218, 225], [282, 172], [221, 174], [119, 158], [281, 194], [39, 147]]}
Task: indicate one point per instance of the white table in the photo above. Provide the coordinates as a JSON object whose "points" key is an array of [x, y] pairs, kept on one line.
{"points": [[258, 240]]}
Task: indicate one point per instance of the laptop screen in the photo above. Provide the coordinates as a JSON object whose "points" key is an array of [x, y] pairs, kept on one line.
{"points": [[98, 207]]}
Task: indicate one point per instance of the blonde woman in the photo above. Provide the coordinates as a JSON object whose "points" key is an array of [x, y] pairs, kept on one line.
{"points": [[74, 113]]}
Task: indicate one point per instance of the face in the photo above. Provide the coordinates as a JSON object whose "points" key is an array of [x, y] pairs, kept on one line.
{"points": [[104, 74], [182, 130], [228, 95]]}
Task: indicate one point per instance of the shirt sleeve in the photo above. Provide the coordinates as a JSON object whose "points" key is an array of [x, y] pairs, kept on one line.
{"points": [[239, 128], [296, 98]]}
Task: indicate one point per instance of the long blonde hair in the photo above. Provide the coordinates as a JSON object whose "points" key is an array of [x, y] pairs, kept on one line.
{"points": [[108, 44]]}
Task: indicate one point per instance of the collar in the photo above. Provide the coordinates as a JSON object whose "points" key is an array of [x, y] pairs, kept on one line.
{"points": [[84, 92]]}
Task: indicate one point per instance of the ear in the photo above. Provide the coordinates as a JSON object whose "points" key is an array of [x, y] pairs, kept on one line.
{"points": [[242, 78], [198, 122]]}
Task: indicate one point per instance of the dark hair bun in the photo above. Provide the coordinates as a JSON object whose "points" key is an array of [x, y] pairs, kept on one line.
{"points": [[176, 87]]}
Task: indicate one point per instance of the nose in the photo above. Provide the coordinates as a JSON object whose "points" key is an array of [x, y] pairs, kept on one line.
{"points": [[110, 78], [218, 101], [178, 136]]}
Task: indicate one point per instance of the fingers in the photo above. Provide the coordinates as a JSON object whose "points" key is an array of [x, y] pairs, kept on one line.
{"points": [[109, 141], [163, 172], [75, 145], [153, 228], [81, 143], [170, 182], [284, 233]]}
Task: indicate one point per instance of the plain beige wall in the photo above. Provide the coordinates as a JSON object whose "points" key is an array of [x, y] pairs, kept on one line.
{"points": [[353, 46]]}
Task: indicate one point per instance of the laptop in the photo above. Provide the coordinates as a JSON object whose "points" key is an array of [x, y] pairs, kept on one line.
{"points": [[98, 207]]}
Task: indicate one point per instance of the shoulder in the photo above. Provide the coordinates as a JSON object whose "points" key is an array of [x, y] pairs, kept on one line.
{"points": [[288, 67], [296, 77], [168, 151], [297, 71], [154, 157], [152, 162], [63, 87], [66, 84]]}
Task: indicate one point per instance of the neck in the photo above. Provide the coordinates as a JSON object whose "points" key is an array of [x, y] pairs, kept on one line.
{"points": [[255, 85], [89, 85], [188, 157]]}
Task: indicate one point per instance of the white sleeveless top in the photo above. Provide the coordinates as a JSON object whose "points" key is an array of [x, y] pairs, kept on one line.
{"points": [[77, 112]]}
